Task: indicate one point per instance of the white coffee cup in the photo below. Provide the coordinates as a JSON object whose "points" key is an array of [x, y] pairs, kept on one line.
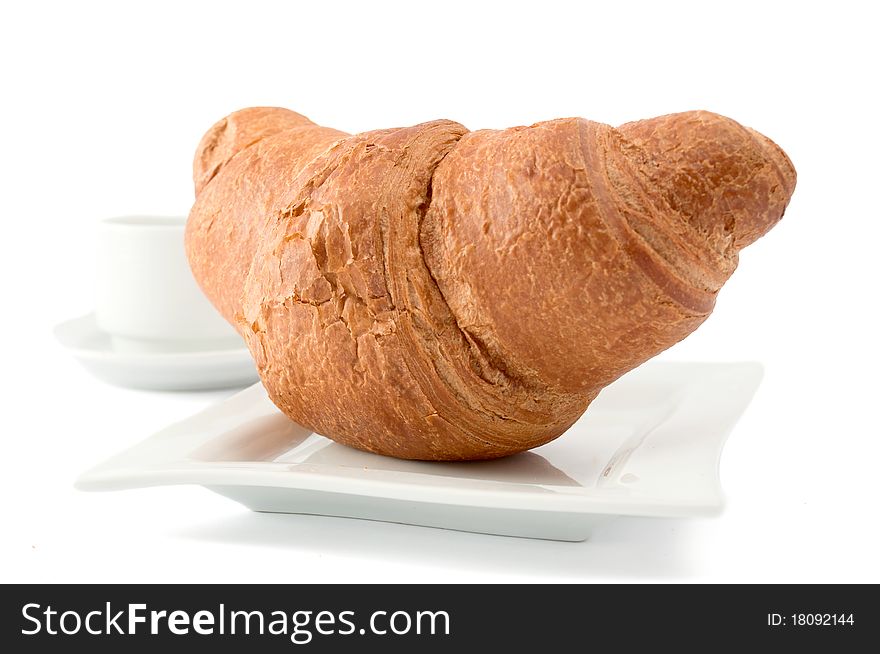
{"points": [[147, 298]]}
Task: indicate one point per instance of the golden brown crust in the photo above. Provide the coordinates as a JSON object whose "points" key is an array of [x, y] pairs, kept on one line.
{"points": [[239, 130], [250, 170], [433, 293]]}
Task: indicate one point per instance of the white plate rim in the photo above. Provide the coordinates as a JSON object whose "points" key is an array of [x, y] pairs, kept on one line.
{"points": [[127, 470]]}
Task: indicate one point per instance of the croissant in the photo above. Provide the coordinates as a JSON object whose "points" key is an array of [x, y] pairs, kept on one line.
{"points": [[433, 293]]}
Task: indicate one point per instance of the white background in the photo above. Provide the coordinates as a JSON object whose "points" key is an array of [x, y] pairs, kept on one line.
{"points": [[102, 106]]}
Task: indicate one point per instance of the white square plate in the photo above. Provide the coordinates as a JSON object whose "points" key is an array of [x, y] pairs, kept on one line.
{"points": [[648, 446]]}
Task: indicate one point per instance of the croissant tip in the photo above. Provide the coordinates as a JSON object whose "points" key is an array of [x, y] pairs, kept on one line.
{"points": [[785, 168], [782, 179], [237, 131]]}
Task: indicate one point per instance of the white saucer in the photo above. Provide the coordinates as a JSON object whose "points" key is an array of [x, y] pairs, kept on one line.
{"points": [[165, 370], [648, 446]]}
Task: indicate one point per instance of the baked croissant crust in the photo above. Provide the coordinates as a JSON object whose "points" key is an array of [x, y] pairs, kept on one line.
{"points": [[433, 293]]}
